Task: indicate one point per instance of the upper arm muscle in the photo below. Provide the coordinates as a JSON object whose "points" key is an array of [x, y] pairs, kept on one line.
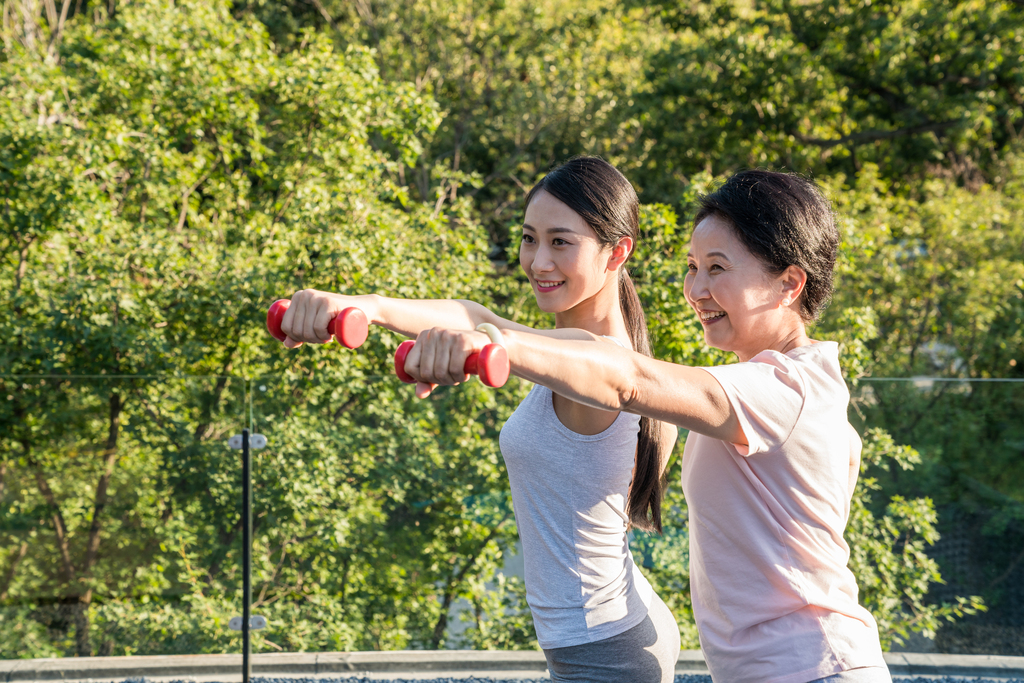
{"points": [[685, 396]]}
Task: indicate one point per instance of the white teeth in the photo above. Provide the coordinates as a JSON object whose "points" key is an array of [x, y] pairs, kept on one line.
{"points": [[541, 283], [711, 315]]}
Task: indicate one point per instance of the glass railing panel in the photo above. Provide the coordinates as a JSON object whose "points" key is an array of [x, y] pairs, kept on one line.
{"points": [[968, 441], [119, 522], [382, 520]]}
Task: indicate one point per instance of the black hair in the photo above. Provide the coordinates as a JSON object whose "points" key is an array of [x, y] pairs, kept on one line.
{"points": [[784, 220], [602, 197]]}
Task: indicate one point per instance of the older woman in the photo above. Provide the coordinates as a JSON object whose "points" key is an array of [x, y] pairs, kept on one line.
{"points": [[771, 462]]}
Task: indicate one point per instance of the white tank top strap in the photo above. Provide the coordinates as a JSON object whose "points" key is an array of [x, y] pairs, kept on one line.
{"points": [[617, 341]]}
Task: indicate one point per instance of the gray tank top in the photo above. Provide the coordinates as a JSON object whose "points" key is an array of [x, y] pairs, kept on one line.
{"points": [[569, 496]]}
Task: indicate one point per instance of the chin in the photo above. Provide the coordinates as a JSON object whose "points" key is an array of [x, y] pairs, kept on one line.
{"points": [[720, 344], [549, 307]]}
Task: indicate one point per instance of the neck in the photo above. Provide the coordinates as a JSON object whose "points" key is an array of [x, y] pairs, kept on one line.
{"points": [[601, 314], [784, 342]]}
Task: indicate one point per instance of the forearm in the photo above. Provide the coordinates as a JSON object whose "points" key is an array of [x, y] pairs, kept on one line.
{"points": [[308, 317], [612, 378], [597, 375], [412, 316]]}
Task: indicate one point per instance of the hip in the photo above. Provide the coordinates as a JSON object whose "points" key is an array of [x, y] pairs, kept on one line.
{"points": [[645, 653]]}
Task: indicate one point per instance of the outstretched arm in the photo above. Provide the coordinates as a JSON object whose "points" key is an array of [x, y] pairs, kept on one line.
{"points": [[603, 376], [612, 378], [311, 310]]}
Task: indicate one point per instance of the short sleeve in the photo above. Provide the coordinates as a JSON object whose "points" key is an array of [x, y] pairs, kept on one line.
{"points": [[767, 393]]}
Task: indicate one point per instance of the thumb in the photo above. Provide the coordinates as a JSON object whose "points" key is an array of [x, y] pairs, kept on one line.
{"points": [[423, 389]]}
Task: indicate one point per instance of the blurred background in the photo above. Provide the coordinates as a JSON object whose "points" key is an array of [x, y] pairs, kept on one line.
{"points": [[168, 169]]}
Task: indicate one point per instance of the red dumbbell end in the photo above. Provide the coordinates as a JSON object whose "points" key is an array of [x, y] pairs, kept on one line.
{"points": [[400, 355], [275, 314], [350, 328], [493, 366]]}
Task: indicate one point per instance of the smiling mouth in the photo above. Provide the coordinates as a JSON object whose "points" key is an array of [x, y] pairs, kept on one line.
{"points": [[708, 316], [549, 284]]}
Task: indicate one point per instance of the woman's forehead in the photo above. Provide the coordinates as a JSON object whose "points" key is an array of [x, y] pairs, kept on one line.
{"points": [[546, 213], [715, 234]]}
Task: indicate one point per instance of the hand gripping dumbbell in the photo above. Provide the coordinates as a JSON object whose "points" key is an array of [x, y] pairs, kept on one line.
{"points": [[349, 327], [491, 363]]}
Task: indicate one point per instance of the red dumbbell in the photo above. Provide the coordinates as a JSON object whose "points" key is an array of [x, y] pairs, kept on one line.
{"points": [[350, 327], [491, 364]]}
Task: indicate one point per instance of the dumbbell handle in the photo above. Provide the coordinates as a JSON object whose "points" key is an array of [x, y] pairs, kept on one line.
{"points": [[350, 327], [491, 364]]}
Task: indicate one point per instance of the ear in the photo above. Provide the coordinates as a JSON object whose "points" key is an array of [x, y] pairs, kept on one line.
{"points": [[620, 253], [793, 279]]}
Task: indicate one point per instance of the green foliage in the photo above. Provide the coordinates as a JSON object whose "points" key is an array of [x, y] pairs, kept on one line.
{"points": [[522, 86], [888, 553], [184, 175], [500, 618], [168, 171], [910, 85]]}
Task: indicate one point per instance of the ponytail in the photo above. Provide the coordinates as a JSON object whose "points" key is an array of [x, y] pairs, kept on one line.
{"points": [[646, 490]]}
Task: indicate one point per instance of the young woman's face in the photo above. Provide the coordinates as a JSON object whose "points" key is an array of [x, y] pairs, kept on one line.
{"points": [[561, 255], [731, 291]]}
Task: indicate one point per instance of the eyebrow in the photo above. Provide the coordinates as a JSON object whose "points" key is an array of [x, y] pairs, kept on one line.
{"points": [[720, 254], [527, 226]]}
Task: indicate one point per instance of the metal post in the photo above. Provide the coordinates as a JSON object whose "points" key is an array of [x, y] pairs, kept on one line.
{"points": [[246, 554]]}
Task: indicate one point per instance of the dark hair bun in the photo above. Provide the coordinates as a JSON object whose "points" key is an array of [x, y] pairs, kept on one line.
{"points": [[784, 220]]}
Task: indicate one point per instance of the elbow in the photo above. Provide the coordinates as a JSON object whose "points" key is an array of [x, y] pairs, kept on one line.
{"points": [[718, 403], [627, 390]]}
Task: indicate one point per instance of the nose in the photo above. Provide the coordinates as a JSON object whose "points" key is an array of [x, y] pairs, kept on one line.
{"points": [[696, 286], [542, 261]]}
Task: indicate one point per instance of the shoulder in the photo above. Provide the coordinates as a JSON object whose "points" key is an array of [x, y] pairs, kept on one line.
{"points": [[772, 391], [812, 364]]}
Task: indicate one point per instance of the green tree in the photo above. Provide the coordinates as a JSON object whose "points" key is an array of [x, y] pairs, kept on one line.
{"points": [[522, 86], [167, 172], [915, 87], [166, 175]]}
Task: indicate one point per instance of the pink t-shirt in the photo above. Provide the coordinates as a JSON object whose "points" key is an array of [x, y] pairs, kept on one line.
{"points": [[772, 596]]}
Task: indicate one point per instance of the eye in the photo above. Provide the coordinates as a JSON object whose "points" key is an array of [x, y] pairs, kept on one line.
{"points": [[558, 241], [527, 239], [715, 265], [692, 267]]}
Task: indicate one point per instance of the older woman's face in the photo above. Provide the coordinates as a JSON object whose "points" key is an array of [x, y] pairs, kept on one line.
{"points": [[731, 291]]}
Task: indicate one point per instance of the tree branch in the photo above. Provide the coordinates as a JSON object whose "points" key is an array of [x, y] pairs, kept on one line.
{"points": [[100, 501], [58, 32], [59, 525], [188, 193]]}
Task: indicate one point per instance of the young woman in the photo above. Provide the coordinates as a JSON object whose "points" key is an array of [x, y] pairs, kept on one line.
{"points": [[771, 460], [580, 474]]}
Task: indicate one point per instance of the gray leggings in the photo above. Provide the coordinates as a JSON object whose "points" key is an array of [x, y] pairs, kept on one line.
{"points": [[646, 653]]}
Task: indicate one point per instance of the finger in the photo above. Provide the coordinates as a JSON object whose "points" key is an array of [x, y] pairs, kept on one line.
{"points": [[426, 343], [321, 318], [460, 351], [298, 311], [309, 319], [288, 318], [290, 343], [423, 389], [442, 359], [412, 359]]}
